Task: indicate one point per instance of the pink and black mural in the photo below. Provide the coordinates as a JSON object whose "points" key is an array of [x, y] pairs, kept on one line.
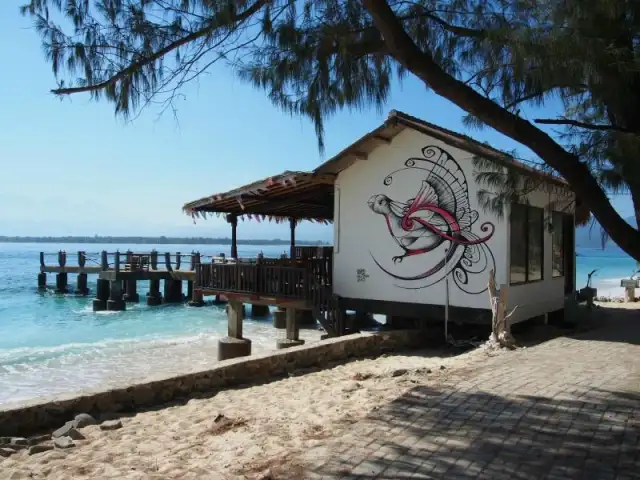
{"points": [[433, 225]]}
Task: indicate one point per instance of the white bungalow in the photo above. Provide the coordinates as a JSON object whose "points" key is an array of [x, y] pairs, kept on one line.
{"points": [[410, 235]]}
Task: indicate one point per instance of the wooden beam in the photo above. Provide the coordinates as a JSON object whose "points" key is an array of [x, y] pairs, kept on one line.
{"points": [[382, 139]]}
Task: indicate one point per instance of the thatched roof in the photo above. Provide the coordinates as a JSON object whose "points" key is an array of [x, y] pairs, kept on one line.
{"points": [[298, 195]]}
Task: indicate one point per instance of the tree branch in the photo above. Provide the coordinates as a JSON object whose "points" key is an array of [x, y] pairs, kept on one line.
{"points": [[575, 123], [133, 67], [423, 65]]}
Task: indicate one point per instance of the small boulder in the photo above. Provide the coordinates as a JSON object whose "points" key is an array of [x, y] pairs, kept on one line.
{"points": [[6, 452], [75, 435], [19, 441], [64, 430], [442, 367], [111, 425], [63, 442], [84, 420], [35, 449], [39, 439]]}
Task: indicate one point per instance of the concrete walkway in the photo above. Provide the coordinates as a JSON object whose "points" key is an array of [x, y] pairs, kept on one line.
{"points": [[565, 409]]}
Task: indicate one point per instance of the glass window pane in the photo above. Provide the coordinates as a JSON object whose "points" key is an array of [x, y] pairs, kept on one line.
{"points": [[557, 253], [518, 244], [535, 231]]}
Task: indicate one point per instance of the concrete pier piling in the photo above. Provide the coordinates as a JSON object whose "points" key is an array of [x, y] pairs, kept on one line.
{"points": [[153, 296], [61, 278], [116, 300], [61, 282], [234, 345], [81, 285], [293, 331], [131, 291], [280, 318], [259, 310], [42, 281], [305, 317], [172, 291], [102, 295]]}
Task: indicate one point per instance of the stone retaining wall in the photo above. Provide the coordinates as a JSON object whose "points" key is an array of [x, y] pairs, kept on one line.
{"points": [[31, 419]]}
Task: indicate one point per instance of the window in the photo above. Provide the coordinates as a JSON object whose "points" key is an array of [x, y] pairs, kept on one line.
{"points": [[527, 243], [557, 244]]}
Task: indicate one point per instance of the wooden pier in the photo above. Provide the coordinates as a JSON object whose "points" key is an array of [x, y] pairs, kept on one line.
{"points": [[301, 287]]}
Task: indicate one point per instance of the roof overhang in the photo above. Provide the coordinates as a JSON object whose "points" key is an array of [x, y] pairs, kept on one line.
{"points": [[297, 195], [397, 122]]}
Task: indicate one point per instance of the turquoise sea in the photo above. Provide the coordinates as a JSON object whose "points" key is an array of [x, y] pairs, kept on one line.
{"points": [[52, 344]]}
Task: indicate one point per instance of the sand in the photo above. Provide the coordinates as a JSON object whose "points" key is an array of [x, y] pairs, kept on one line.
{"points": [[261, 424], [258, 426]]}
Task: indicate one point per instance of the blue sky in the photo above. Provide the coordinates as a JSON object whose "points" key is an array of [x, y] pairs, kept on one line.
{"points": [[70, 167]]}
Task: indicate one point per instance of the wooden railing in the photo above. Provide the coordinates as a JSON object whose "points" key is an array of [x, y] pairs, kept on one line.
{"points": [[265, 277], [260, 278], [122, 261]]}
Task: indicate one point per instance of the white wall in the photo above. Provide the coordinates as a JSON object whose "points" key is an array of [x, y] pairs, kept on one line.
{"points": [[362, 235]]}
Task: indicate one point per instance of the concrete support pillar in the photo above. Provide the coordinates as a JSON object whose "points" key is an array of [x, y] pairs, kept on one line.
{"points": [[42, 281], [116, 300], [61, 282], [280, 319], [195, 296], [81, 285], [102, 295], [259, 310], [305, 317], [131, 291], [172, 291], [244, 310], [153, 296], [234, 345], [293, 331]]}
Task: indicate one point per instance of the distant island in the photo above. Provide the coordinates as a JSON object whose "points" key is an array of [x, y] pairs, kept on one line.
{"points": [[155, 240]]}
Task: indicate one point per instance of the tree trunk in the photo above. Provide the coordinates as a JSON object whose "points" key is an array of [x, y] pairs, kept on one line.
{"points": [[500, 328], [422, 64]]}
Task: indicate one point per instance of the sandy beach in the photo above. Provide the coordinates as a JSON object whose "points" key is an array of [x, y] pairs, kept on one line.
{"points": [[261, 425], [246, 432]]}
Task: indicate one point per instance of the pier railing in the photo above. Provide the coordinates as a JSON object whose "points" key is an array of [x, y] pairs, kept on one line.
{"points": [[267, 277], [128, 261]]}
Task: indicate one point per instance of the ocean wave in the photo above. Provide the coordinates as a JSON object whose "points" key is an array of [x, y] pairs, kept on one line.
{"points": [[31, 355]]}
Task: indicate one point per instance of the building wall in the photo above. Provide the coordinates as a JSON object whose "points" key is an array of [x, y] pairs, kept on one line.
{"points": [[372, 197]]}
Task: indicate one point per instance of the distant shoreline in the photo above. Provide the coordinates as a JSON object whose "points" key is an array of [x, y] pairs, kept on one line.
{"points": [[154, 240]]}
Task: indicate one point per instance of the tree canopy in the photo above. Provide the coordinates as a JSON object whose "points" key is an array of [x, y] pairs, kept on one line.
{"points": [[492, 59]]}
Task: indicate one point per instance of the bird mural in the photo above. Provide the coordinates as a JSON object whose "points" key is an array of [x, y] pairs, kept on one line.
{"points": [[439, 218]]}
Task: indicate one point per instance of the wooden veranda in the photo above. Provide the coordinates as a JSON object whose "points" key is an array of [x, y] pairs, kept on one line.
{"points": [[301, 280]]}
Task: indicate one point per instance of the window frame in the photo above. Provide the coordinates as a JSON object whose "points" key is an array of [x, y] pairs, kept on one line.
{"points": [[525, 224], [557, 220]]}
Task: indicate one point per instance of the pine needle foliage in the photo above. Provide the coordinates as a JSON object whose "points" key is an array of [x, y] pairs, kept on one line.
{"points": [[493, 59]]}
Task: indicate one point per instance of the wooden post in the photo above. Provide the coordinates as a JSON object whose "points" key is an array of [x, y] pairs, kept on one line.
{"points": [[154, 260], [104, 261], [292, 226], [178, 260], [167, 261], [42, 281], [195, 296], [233, 220], [82, 259]]}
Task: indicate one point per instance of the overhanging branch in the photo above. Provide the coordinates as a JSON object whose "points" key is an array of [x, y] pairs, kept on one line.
{"points": [[575, 123]]}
